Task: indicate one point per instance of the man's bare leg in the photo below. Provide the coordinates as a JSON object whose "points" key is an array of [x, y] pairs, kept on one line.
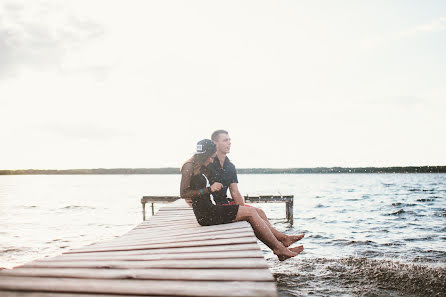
{"points": [[287, 240], [264, 233]]}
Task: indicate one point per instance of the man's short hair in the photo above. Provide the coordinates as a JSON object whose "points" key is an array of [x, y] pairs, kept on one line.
{"points": [[217, 133]]}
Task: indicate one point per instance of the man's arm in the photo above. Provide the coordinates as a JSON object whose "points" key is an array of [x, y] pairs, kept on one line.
{"points": [[235, 194]]}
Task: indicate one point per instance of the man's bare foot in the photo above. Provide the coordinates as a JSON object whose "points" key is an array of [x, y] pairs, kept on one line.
{"points": [[286, 253], [290, 239], [297, 249]]}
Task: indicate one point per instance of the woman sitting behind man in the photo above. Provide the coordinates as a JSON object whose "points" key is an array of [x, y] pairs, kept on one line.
{"points": [[196, 186]]}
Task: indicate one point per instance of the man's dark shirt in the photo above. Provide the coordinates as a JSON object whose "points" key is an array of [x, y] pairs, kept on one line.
{"points": [[226, 176]]}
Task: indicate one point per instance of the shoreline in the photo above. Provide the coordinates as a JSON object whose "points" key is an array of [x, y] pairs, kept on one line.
{"points": [[171, 170]]}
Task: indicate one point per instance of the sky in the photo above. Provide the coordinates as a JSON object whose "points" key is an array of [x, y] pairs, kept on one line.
{"points": [[135, 84]]}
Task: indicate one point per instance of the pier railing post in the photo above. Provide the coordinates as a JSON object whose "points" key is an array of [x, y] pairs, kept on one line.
{"points": [[289, 207], [287, 210]]}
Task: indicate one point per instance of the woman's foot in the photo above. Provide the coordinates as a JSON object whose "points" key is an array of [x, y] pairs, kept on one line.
{"points": [[290, 239]]}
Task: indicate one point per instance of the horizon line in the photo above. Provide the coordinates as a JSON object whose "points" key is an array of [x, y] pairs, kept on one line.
{"points": [[239, 168], [264, 170]]}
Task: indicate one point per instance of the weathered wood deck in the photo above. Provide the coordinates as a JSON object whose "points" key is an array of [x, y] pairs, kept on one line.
{"points": [[167, 255]]}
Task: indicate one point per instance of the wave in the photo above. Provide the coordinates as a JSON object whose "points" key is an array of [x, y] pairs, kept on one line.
{"points": [[359, 276], [397, 213], [400, 204], [353, 242], [78, 207], [426, 199], [8, 250]]}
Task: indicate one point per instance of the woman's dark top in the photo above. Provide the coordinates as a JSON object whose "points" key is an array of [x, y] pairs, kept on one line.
{"points": [[205, 211]]}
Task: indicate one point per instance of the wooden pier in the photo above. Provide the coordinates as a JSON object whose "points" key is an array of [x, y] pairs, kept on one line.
{"points": [[287, 199], [167, 255]]}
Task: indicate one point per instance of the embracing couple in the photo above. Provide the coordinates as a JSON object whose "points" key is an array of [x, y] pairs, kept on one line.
{"points": [[206, 178]]}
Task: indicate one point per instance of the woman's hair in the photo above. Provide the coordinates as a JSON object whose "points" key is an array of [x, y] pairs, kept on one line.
{"points": [[201, 158]]}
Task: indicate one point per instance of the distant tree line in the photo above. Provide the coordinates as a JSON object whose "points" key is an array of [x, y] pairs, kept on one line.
{"points": [[169, 170], [95, 171], [410, 169]]}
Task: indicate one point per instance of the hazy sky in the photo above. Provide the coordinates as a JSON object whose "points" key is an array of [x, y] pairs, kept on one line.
{"points": [[106, 84]]}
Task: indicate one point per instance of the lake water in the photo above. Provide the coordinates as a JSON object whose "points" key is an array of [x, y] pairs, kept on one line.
{"points": [[366, 234]]}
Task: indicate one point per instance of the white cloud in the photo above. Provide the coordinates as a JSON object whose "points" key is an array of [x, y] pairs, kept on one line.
{"points": [[434, 26], [387, 39], [39, 34]]}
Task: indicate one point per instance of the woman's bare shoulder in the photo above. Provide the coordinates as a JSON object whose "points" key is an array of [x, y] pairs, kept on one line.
{"points": [[187, 167]]}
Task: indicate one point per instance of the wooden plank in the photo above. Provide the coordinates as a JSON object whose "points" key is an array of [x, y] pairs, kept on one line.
{"points": [[151, 222], [200, 249], [141, 235], [178, 264], [173, 213], [168, 245], [166, 226], [153, 274], [142, 287], [54, 294], [167, 208], [213, 227], [148, 257], [170, 219], [268, 198], [165, 199], [180, 235], [172, 208], [198, 230], [172, 239]]}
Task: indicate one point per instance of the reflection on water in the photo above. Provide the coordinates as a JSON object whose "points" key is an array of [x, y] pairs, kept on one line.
{"points": [[366, 234]]}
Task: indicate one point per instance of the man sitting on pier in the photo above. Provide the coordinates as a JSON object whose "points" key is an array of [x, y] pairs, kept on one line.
{"points": [[223, 171]]}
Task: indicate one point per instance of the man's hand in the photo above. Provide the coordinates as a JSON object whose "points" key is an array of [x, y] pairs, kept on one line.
{"points": [[235, 194], [188, 201], [216, 187]]}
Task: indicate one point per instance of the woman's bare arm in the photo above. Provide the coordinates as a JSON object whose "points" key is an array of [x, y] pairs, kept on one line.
{"points": [[185, 189]]}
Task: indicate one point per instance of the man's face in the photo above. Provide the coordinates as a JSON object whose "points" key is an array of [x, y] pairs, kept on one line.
{"points": [[223, 143]]}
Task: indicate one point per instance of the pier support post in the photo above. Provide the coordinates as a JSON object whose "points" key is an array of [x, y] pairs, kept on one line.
{"points": [[143, 211], [289, 211]]}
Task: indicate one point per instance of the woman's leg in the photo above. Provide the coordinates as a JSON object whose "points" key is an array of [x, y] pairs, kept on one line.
{"points": [[287, 240], [264, 233]]}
